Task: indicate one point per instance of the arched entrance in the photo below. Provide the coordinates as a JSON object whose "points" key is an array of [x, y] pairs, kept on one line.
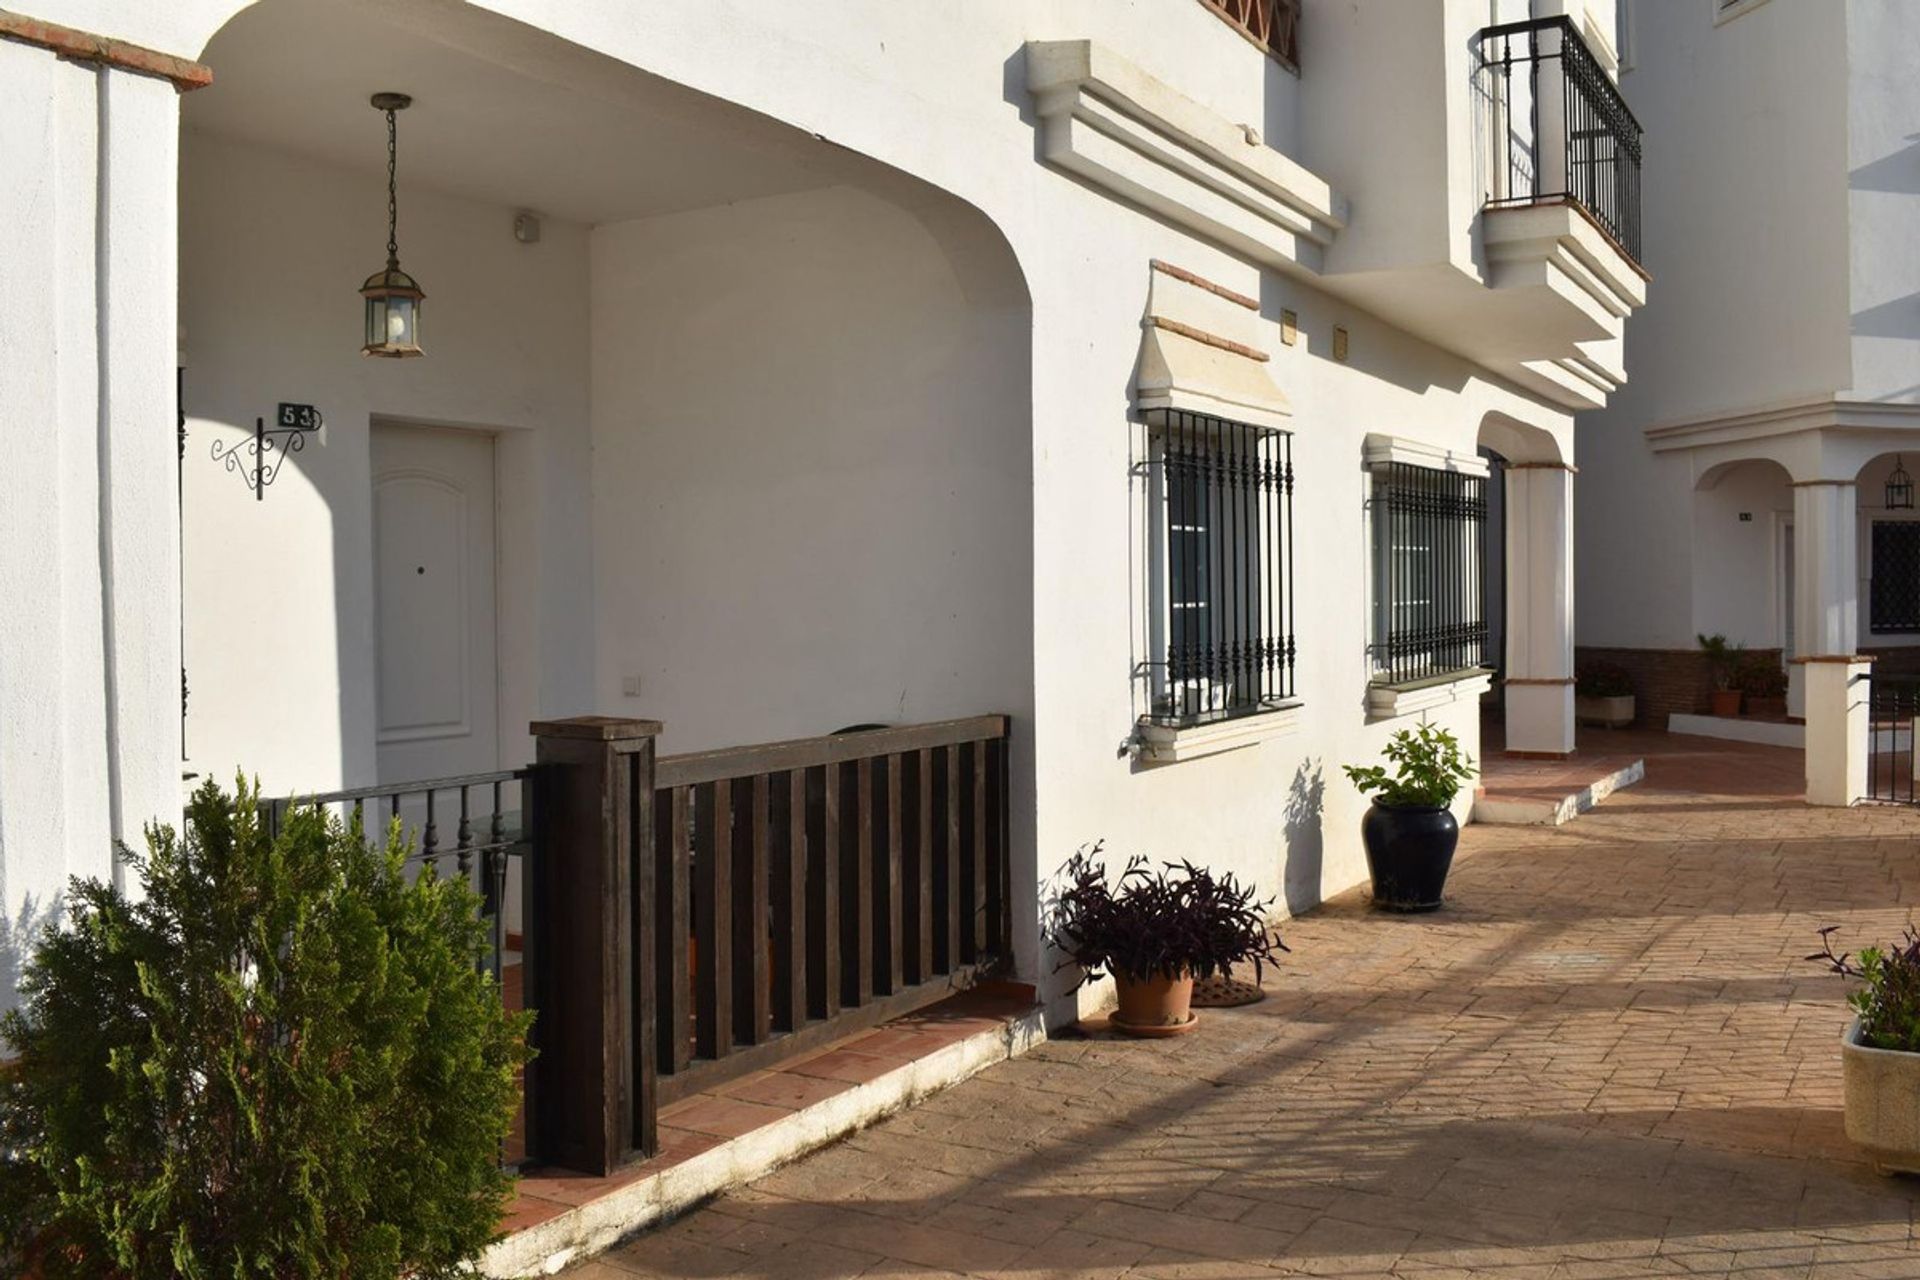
{"points": [[750, 411], [1534, 534]]}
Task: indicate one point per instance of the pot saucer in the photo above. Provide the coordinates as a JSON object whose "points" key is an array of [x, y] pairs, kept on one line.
{"points": [[1221, 992], [1143, 1031]]}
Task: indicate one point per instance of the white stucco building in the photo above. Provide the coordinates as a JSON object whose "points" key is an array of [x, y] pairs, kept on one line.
{"points": [[1776, 377], [872, 363]]}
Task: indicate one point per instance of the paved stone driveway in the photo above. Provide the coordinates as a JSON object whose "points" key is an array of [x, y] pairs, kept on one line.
{"points": [[1604, 1060]]}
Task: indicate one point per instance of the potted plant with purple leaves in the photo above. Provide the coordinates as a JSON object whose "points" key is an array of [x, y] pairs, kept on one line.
{"points": [[1156, 931], [1410, 831], [1880, 1050]]}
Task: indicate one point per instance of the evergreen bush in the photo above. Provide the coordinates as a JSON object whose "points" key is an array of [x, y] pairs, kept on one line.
{"points": [[281, 1058]]}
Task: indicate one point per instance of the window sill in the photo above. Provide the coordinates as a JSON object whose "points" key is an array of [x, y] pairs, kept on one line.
{"points": [[1170, 744], [1390, 701]]}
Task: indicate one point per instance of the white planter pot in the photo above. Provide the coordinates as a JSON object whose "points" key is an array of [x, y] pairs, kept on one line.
{"points": [[1883, 1102], [1610, 713]]}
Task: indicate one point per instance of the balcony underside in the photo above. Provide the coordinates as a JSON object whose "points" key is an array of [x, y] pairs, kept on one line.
{"points": [[1547, 309]]}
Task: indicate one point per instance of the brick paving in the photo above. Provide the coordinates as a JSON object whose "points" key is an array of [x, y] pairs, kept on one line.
{"points": [[1603, 1060]]}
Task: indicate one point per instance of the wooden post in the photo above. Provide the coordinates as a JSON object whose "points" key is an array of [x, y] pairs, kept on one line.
{"points": [[595, 853]]}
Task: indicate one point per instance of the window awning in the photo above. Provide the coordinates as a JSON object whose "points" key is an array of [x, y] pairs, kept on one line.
{"points": [[1186, 370]]}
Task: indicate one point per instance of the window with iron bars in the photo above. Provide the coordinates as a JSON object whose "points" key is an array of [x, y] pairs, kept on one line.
{"points": [[1893, 584], [1429, 591], [1220, 640]]}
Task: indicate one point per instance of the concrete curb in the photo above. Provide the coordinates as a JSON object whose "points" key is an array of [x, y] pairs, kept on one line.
{"points": [[1528, 812], [547, 1247]]}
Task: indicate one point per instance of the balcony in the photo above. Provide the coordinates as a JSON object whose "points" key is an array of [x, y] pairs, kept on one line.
{"points": [[1560, 132]]}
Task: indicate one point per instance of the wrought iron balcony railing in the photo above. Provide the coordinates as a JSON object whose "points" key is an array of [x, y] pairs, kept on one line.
{"points": [[1558, 129], [1273, 25]]}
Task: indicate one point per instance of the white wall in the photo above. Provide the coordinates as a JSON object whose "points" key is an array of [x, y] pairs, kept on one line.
{"points": [[812, 484], [274, 248], [279, 643], [1746, 235], [89, 657], [1883, 179]]}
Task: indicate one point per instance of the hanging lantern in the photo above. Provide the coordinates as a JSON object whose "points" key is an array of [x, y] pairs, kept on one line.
{"points": [[393, 297], [1899, 488]]}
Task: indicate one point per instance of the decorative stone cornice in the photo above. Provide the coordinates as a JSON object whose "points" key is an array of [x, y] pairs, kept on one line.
{"points": [[1112, 124], [1815, 413]]}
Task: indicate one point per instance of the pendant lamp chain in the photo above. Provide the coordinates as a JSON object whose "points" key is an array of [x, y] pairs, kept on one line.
{"points": [[393, 198]]}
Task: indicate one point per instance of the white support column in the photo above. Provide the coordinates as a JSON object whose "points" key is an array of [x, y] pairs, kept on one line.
{"points": [[1838, 729], [1826, 625], [1539, 686]]}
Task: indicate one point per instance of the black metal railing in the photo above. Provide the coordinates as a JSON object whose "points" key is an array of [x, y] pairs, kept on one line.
{"points": [[471, 827], [475, 827], [1558, 128], [1429, 534], [1893, 704], [1222, 638]]}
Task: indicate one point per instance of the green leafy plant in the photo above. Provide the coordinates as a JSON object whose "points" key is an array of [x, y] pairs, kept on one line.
{"points": [[1888, 998], [1759, 676], [1429, 769], [1603, 680], [1146, 924], [280, 1059], [1722, 658]]}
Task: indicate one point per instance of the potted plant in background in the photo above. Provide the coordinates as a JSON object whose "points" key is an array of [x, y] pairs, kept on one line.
{"points": [[1155, 932], [1764, 685], [1603, 695], [1880, 1050], [1722, 660], [1410, 831]]}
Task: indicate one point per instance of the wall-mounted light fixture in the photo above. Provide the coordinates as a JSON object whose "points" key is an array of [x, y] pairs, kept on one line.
{"points": [[1899, 488], [393, 297]]}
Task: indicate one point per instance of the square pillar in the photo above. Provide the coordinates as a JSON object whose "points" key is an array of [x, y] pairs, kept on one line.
{"points": [[1826, 568], [1539, 683], [1838, 728]]}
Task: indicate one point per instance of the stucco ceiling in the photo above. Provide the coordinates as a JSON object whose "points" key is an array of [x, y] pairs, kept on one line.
{"points": [[501, 113]]}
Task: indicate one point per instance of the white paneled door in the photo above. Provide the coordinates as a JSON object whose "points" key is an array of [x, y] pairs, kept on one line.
{"points": [[433, 547]]}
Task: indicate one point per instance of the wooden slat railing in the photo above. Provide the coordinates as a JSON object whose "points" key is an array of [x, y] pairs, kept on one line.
{"points": [[804, 889]]}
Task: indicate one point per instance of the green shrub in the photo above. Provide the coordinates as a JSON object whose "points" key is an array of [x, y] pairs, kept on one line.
{"points": [[280, 1059], [1603, 680], [1429, 768]]}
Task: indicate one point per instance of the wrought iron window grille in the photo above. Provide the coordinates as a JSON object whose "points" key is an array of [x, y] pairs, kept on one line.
{"points": [[1219, 569], [1893, 582], [1429, 589], [1557, 128]]}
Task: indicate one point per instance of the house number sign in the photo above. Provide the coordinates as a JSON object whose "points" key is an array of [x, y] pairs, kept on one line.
{"points": [[257, 461]]}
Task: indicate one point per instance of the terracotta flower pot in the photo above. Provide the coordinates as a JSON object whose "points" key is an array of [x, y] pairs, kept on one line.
{"points": [[1162, 1007], [1726, 702]]}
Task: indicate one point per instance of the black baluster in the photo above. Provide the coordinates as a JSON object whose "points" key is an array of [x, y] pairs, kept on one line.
{"points": [[463, 839]]}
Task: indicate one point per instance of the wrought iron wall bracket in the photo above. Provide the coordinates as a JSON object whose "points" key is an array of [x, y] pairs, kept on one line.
{"points": [[258, 460]]}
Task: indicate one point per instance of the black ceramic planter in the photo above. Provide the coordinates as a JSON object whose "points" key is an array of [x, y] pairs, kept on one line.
{"points": [[1409, 851]]}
